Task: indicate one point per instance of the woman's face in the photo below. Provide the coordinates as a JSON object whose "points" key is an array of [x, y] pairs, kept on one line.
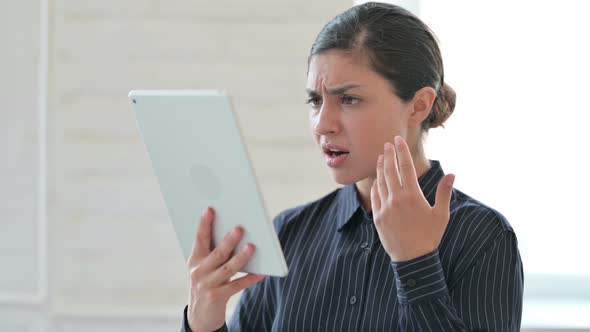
{"points": [[352, 110]]}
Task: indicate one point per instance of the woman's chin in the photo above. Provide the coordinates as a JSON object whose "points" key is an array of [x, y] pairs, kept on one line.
{"points": [[343, 178]]}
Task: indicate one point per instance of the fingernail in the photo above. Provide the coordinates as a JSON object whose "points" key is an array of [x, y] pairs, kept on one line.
{"points": [[388, 146], [237, 230], [450, 179], [380, 159], [247, 248], [398, 141]]}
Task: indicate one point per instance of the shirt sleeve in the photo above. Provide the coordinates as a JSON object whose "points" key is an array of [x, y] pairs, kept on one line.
{"points": [[186, 328], [488, 297]]}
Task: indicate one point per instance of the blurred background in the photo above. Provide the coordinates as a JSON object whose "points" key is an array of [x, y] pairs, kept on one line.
{"points": [[85, 241]]}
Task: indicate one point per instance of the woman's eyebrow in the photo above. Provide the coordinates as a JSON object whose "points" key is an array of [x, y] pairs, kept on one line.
{"points": [[334, 91]]}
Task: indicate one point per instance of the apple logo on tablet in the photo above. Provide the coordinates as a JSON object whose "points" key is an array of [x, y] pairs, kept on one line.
{"points": [[206, 182]]}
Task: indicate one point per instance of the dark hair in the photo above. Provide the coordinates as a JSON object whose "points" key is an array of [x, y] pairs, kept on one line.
{"points": [[399, 47]]}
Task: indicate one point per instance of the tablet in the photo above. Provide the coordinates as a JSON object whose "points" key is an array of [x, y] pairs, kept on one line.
{"points": [[197, 153]]}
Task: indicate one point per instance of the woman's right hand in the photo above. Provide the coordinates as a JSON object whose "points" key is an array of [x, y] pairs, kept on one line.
{"points": [[210, 272]]}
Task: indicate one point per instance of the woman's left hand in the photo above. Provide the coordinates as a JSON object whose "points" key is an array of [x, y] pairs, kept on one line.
{"points": [[407, 225]]}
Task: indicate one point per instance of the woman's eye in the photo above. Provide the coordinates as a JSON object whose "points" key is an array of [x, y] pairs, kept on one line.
{"points": [[350, 100], [314, 102]]}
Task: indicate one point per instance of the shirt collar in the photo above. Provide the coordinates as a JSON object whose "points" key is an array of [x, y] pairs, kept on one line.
{"points": [[349, 203]]}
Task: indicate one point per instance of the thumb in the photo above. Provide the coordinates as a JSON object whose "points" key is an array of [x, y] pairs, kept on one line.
{"points": [[443, 194]]}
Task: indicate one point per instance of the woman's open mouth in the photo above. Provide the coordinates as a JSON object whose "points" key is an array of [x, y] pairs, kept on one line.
{"points": [[335, 155]]}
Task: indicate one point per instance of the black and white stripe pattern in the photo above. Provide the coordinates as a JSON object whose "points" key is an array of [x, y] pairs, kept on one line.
{"points": [[341, 278]]}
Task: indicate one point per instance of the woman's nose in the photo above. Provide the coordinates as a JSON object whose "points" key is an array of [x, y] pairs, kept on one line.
{"points": [[326, 120]]}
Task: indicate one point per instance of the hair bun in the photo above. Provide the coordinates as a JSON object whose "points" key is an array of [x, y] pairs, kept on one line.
{"points": [[443, 107]]}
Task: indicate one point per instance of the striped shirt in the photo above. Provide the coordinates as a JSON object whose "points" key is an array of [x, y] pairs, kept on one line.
{"points": [[341, 279]]}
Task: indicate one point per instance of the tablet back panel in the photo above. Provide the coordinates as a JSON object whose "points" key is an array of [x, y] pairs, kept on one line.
{"points": [[195, 146]]}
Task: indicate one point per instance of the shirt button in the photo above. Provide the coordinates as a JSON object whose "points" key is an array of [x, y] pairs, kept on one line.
{"points": [[411, 283], [352, 299], [364, 245]]}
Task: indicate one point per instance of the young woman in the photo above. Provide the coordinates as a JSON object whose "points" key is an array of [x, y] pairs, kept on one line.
{"points": [[397, 248]]}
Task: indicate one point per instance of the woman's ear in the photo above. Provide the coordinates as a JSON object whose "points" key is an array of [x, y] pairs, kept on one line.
{"points": [[422, 104]]}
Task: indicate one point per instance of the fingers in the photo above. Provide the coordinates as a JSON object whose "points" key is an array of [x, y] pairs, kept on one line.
{"points": [[241, 283], [202, 242], [442, 204], [381, 185], [407, 170], [223, 251], [231, 267], [392, 178], [375, 198]]}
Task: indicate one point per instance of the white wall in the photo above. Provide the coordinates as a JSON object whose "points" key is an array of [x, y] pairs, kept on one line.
{"points": [[19, 92], [22, 247]]}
